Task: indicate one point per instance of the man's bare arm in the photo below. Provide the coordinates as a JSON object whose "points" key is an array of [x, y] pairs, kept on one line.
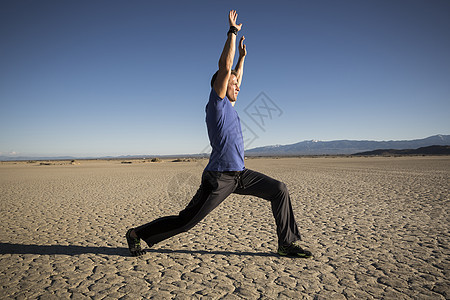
{"points": [[226, 59], [240, 64]]}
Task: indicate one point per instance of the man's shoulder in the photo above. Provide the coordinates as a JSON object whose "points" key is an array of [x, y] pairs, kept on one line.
{"points": [[215, 102], [213, 96]]}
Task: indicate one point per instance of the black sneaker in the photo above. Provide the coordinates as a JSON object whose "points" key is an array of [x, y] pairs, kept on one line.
{"points": [[134, 245], [294, 250]]}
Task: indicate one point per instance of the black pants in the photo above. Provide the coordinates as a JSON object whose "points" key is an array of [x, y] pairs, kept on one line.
{"points": [[215, 187]]}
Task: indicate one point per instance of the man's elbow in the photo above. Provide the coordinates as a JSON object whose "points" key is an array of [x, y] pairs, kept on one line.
{"points": [[225, 65], [225, 68]]}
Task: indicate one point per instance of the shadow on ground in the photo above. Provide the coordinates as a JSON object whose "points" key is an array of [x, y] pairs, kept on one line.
{"points": [[8, 248]]}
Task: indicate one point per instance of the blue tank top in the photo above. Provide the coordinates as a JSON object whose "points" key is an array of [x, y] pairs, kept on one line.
{"points": [[225, 135]]}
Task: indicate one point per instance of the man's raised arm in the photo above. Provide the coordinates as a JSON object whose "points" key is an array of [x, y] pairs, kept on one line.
{"points": [[227, 57], [240, 64]]}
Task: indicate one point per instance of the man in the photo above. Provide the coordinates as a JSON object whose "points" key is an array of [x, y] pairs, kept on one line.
{"points": [[225, 172]]}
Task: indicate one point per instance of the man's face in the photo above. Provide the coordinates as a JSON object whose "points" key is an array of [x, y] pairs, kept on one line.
{"points": [[233, 88]]}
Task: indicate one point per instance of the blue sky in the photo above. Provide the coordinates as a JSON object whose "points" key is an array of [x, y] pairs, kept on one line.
{"points": [[94, 78]]}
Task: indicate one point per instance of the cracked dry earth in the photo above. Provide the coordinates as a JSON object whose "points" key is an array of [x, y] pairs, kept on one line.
{"points": [[378, 227]]}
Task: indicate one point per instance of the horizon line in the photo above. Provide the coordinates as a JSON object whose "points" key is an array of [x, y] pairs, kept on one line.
{"points": [[20, 157]]}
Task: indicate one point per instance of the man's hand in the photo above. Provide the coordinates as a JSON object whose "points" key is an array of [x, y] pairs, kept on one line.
{"points": [[242, 47], [232, 17]]}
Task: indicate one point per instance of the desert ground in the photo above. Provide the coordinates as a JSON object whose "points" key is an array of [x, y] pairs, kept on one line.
{"points": [[378, 228]]}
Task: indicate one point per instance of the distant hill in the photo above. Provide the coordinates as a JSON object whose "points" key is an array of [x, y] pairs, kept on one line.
{"points": [[314, 147], [431, 150]]}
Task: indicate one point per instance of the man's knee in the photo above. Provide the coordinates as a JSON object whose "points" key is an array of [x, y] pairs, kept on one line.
{"points": [[280, 189], [281, 186]]}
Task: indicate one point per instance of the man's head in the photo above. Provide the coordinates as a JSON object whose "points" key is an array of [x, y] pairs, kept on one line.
{"points": [[232, 87]]}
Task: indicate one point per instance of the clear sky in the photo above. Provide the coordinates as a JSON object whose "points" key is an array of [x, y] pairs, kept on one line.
{"points": [[94, 78]]}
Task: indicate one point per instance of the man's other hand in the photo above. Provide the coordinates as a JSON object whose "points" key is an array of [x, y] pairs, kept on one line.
{"points": [[242, 47]]}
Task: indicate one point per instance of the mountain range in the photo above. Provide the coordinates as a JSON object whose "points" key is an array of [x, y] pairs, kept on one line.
{"points": [[314, 147], [311, 147]]}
